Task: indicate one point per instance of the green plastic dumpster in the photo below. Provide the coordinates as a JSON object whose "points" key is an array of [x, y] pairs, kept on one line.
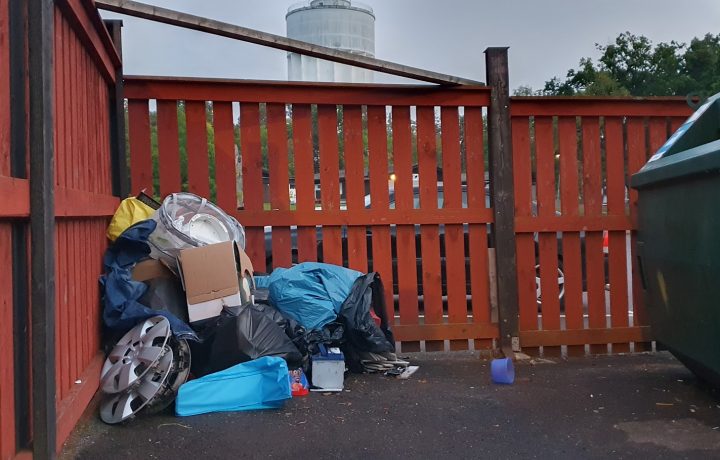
{"points": [[679, 241]]}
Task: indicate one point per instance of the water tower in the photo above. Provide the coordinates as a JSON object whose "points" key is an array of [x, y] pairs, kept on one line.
{"points": [[340, 24]]}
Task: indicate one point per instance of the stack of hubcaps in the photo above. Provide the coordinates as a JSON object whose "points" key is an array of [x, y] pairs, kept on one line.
{"points": [[144, 370]]}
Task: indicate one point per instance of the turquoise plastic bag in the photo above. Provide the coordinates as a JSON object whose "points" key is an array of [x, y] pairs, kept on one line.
{"points": [[258, 384], [311, 293]]}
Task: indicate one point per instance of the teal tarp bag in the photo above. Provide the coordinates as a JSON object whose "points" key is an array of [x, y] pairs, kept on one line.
{"points": [[311, 293], [258, 384]]}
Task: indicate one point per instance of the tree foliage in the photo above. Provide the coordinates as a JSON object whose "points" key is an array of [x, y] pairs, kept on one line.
{"points": [[633, 65]]}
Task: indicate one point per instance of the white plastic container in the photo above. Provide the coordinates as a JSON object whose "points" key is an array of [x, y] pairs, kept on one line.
{"points": [[328, 370]]}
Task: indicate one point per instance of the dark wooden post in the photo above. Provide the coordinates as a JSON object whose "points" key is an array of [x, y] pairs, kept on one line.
{"points": [[18, 167], [503, 196], [118, 160], [42, 224]]}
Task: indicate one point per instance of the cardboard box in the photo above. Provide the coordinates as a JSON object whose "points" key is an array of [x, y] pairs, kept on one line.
{"points": [[211, 276], [149, 269]]}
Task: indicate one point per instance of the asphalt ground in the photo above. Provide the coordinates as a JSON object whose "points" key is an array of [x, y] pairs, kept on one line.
{"points": [[627, 406]]}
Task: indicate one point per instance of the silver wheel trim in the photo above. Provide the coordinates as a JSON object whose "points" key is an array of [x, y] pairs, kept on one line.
{"points": [[120, 407], [134, 355], [178, 375]]}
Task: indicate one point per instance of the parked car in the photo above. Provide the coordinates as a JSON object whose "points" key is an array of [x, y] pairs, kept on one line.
{"points": [[418, 246]]}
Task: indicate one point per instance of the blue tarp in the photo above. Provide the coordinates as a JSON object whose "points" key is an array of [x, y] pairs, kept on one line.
{"points": [[311, 293], [262, 281], [122, 311], [259, 384]]}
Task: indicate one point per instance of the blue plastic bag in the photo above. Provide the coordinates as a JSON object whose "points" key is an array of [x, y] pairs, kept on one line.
{"points": [[262, 281], [259, 384], [311, 293], [121, 294]]}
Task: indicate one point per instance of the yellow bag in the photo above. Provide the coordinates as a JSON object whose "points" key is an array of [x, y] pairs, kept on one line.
{"points": [[130, 212]]}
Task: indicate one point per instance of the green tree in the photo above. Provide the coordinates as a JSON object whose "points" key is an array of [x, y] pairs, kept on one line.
{"points": [[633, 65]]}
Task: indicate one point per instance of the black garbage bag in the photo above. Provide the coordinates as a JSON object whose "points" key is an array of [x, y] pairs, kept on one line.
{"points": [[166, 294], [361, 332], [287, 324], [308, 342], [250, 335]]}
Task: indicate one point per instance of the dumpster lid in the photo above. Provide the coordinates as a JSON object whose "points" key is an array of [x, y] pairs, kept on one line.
{"points": [[690, 150]]}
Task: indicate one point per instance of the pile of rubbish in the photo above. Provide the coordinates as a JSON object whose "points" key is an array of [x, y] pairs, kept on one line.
{"points": [[188, 321]]}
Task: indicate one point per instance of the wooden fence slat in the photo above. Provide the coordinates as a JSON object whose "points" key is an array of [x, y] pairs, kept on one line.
{"points": [[64, 230], [637, 156], [252, 181], [307, 238], [524, 243], [67, 126], [5, 102], [81, 77], [406, 239], [140, 159], [75, 95], [617, 248], [59, 323], [477, 233], [355, 185], [7, 338], [657, 128], [379, 197], [168, 147], [330, 181], [94, 123], [548, 245], [197, 149], [75, 293], [85, 267], [592, 204], [429, 234], [454, 233], [572, 261], [279, 180], [59, 95], [225, 172]]}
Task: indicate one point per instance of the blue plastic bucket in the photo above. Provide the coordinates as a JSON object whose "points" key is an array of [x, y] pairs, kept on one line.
{"points": [[502, 371]]}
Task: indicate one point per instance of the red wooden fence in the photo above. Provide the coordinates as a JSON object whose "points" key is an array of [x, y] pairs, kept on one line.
{"points": [[351, 128], [573, 158], [572, 161], [8, 190], [85, 63]]}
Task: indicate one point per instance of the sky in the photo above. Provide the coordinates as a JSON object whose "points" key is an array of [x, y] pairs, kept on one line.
{"points": [[546, 38]]}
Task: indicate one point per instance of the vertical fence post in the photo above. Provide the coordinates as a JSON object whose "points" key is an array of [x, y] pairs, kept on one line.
{"points": [[42, 224], [118, 159], [503, 196], [18, 167]]}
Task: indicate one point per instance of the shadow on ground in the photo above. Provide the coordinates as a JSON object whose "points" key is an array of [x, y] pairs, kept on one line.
{"points": [[635, 406]]}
